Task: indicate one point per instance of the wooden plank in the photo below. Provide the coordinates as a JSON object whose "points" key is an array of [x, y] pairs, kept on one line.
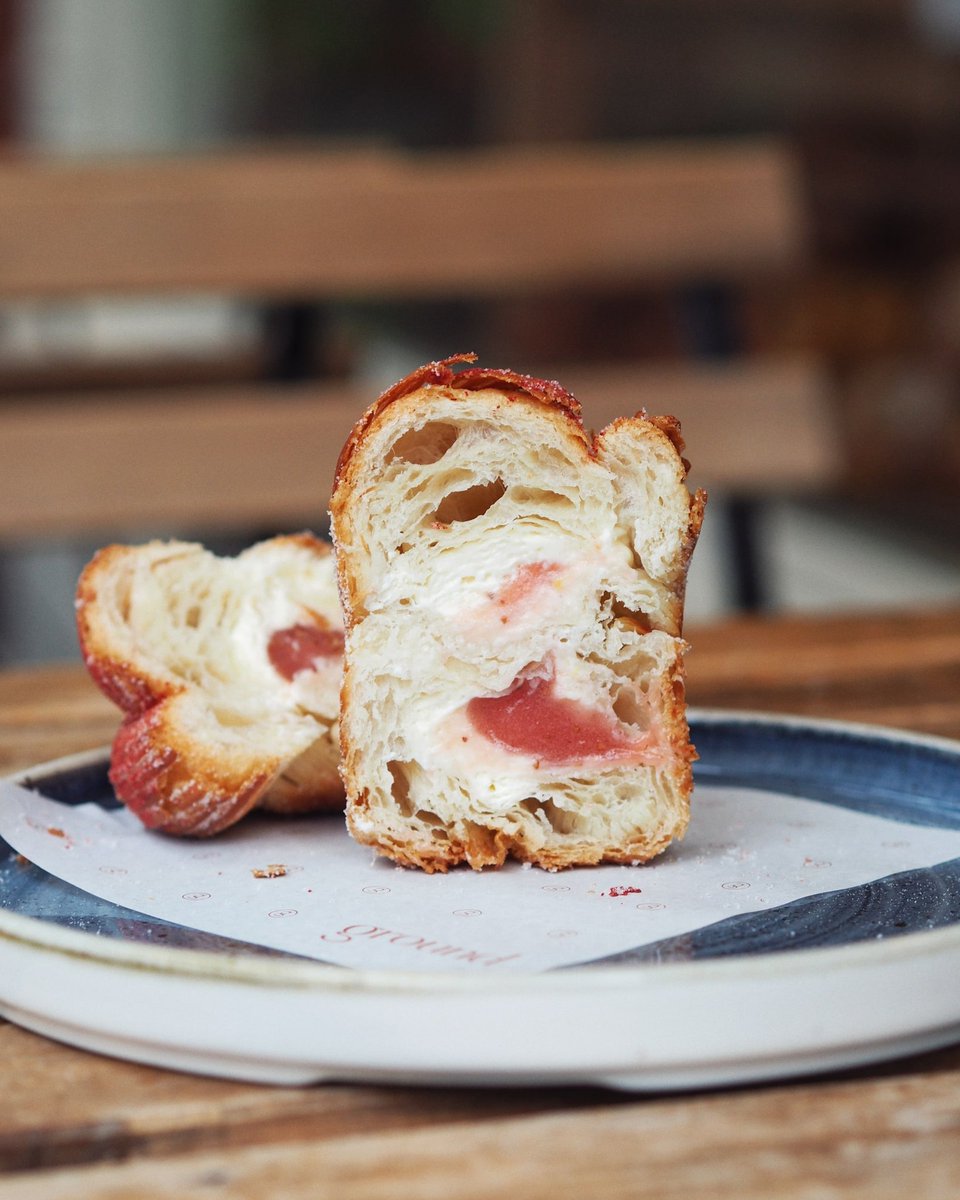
{"points": [[895, 669], [64, 1106], [370, 222], [754, 424], [877, 1138], [161, 460], [882, 1134], [760, 653], [48, 712], [264, 457]]}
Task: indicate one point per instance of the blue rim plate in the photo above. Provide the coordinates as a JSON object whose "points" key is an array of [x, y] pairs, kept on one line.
{"points": [[838, 979]]}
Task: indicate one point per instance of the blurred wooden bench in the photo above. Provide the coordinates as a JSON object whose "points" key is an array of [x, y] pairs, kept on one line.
{"points": [[321, 226]]}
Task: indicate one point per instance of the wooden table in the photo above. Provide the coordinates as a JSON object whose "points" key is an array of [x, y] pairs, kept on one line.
{"points": [[75, 1124]]}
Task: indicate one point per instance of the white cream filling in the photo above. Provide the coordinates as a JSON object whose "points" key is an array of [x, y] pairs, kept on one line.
{"points": [[467, 574], [225, 625]]}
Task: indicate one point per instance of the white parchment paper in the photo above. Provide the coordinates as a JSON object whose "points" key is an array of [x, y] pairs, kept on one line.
{"points": [[319, 894]]}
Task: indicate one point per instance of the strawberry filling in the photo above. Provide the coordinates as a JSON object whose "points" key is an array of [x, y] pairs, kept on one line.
{"points": [[525, 580], [532, 719], [301, 647]]}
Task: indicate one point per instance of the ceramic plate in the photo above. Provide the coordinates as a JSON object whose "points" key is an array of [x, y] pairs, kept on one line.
{"points": [[835, 979]]}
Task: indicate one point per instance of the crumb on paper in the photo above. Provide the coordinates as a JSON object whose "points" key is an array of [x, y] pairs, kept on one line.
{"points": [[272, 871], [623, 891], [55, 831]]}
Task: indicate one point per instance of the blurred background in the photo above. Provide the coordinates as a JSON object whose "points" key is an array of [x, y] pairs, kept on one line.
{"points": [[226, 224]]}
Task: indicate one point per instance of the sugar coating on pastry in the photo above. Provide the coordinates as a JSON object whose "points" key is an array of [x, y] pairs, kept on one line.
{"points": [[228, 673], [513, 594]]}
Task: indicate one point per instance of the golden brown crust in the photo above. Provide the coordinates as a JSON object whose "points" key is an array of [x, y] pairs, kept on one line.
{"points": [[547, 391], [698, 506], [481, 852], [164, 766], [155, 772], [670, 427], [482, 846], [441, 373], [434, 372], [125, 683], [409, 393]]}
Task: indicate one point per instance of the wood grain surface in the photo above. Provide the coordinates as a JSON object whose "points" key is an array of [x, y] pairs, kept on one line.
{"points": [[74, 1124], [264, 455], [362, 221]]}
